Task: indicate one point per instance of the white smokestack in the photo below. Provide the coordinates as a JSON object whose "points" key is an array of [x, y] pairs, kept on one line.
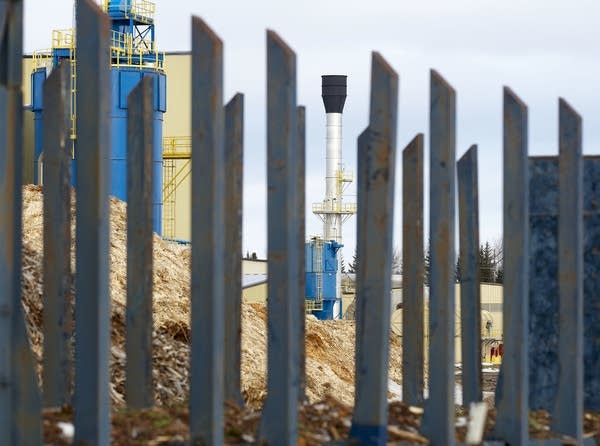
{"points": [[334, 98]]}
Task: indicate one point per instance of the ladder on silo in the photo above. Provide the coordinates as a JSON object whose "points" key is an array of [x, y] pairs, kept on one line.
{"points": [[73, 63], [169, 189], [318, 252]]}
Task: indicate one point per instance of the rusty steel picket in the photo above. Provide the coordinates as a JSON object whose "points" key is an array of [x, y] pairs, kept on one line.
{"points": [[470, 299], [138, 341], [413, 342], [208, 237], [438, 420], [234, 171], [551, 199], [283, 328], [57, 373], [92, 301]]}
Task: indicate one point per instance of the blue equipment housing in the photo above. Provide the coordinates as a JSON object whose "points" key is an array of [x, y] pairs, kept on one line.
{"points": [[321, 279], [133, 57]]}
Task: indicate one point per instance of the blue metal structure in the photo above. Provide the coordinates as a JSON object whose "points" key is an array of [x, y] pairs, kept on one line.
{"points": [[321, 279], [133, 56]]}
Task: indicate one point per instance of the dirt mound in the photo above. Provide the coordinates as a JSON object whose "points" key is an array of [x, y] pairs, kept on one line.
{"points": [[329, 344]]}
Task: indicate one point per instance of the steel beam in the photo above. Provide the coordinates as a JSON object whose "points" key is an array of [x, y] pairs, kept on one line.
{"points": [[234, 192], [512, 420], [567, 416], [279, 424], [413, 339], [57, 372], [470, 298], [376, 177], [438, 422], [138, 343], [92, 303], [208, 237]]}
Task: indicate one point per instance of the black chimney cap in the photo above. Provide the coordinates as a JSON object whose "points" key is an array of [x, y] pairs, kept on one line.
{"points": [[333, 91]]}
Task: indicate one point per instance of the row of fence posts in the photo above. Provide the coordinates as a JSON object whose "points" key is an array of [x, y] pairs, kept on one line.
{"points": [[217, 141]]}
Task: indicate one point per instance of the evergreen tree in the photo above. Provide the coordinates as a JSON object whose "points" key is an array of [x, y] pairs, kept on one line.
{"points": [[487, 265], [427, 261], [458, 270], [352, 265], [396, 261], [500, 274]]}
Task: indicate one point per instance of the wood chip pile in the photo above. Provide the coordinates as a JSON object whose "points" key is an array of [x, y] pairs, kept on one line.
{"points": [[329, 344]]}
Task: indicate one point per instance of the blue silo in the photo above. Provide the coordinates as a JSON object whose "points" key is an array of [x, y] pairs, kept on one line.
{"points": [[133, 56], [321, 279]]}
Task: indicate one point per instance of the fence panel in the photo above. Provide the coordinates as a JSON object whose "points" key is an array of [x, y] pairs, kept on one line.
{"points": [[208, 237], [279, 423], [512, 421], [376, 176], [438, 420], [138, 343], [470, 288], [57, 373], [234, 175], [413, 340]]}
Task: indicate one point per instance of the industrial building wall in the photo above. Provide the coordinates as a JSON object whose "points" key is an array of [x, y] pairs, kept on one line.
{"points": [[178, 122]]}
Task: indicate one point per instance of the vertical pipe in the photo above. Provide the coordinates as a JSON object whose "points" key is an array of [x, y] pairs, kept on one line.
{"points": [[300, 206], [57, 313], [234, 175], [412, 283], [92, 304], [567, 417], [439, 416], [208, 237], [376, 158], [470, 298], [279, 424], [138, 343], [512, 419]]}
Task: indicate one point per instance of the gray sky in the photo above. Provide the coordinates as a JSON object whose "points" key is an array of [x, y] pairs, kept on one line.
{"points": [[541, 49]]}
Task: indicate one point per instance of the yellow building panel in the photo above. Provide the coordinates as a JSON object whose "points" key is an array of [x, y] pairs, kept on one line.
{"points": [[255, 294]]}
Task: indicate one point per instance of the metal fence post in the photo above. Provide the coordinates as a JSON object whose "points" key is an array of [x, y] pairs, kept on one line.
{"points": [[470, 288], [20, 405], [234, 175], [567, 417], [376, 177], [208, 237], [301, 177], [438, 420], [512, 421], [413, 273], [279, 423], [138, 342], [58, 309], [92, 305]]}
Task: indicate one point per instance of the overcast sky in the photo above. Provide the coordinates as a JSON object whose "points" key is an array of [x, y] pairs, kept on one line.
{"points": [[543, 49]]}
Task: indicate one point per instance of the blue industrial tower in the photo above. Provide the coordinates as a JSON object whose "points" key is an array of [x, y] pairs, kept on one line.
{"points": [[133, 56], [321, 279]]}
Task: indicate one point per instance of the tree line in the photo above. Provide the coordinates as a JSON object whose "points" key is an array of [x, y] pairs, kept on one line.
{"points": [[491, 268]]}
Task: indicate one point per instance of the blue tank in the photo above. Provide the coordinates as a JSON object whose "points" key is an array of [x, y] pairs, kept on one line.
{"points": [[123, 81], [321, 278]]}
